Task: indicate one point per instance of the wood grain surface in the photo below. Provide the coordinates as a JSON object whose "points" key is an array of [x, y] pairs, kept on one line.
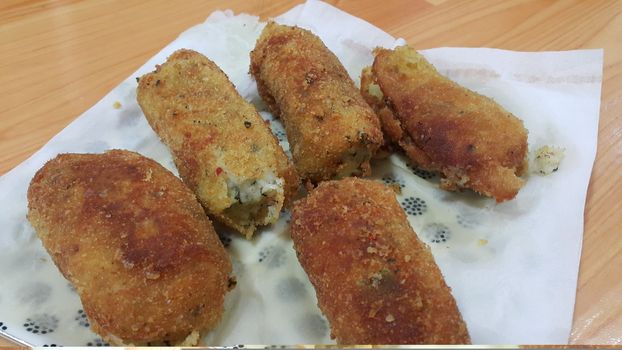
{"points": [[58, 58]]}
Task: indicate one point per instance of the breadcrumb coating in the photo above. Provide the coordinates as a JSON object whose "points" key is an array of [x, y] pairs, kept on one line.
{"points": [[222, 147], [375, 281], [134, 242], [469, 138], [333, 133]]}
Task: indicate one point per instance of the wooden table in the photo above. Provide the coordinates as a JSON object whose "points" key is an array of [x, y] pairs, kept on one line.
{"points": [[59, 58]]}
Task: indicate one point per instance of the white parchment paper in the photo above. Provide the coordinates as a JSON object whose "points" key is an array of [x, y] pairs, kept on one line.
{"points": [[512, 267]]}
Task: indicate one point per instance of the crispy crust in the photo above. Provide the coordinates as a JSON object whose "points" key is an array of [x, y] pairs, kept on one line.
{"points": [[332, 131], [473, 141], [134, 242], [375, 281], [214, 134]]}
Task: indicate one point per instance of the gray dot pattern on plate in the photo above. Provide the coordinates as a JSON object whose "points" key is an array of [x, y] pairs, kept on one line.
{"points": [[437, 233], [291, 289], [82, 319], [467, 221], [272, 256], [225, 239], [50, 345], [414, 206], [390, 180], [280, 134], [424, 174], [41, 324], [3, 327], [97, 342]]}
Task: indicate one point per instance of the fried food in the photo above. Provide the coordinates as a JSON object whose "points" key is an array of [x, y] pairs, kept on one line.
{"points": [[134, 242], [223, 149], [470, 139], [375, 281], [332, 131]]}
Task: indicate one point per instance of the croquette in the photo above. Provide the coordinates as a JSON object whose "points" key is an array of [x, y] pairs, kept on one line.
{"points": [[332, 131], [470, 139], [135, 244], [375, 281], [223, 149]]}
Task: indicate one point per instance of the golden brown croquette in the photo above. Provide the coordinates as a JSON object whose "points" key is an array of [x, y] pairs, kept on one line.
{"points": [[223, 149], [469, 138], [332, 131], [375, 281], [134, 242]]}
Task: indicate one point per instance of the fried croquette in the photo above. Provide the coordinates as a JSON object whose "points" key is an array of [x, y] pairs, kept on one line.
{"points": [[469, 138], [134, 242], [332, 131], [375, 281], [223, 149]]}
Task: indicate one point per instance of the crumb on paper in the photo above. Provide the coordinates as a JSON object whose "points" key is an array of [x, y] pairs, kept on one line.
{"points": [[116, 105], [482, 242], [192, 339], [547, 159], [232, 283]]}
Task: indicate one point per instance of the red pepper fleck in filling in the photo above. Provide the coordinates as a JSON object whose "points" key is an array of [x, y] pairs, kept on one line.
{"points": [[218, 171]]}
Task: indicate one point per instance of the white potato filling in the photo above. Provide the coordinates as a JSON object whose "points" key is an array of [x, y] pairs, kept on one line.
{"points": [[351, 163], [546, 159], [255, 202]]}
